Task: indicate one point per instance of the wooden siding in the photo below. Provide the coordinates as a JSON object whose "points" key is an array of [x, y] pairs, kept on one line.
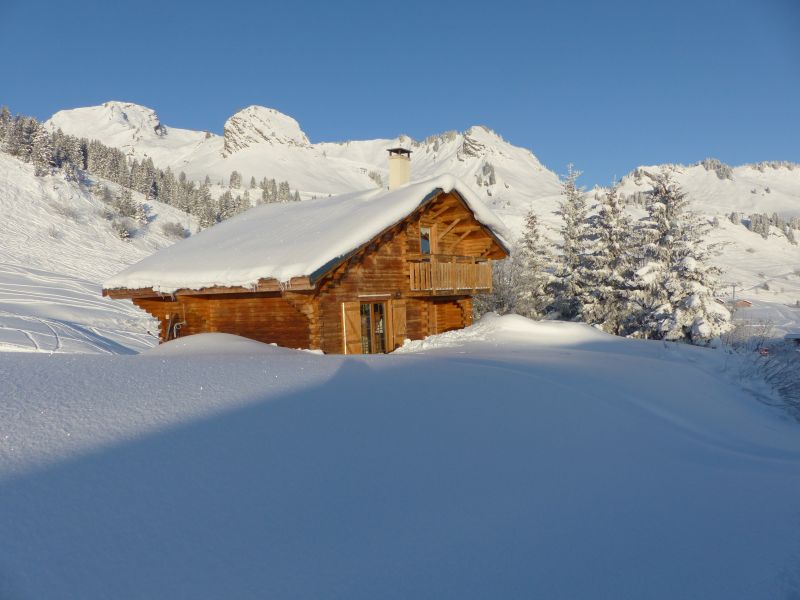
{"points": [[454, 229], [266, 318], [379, 275], [452, 314]]}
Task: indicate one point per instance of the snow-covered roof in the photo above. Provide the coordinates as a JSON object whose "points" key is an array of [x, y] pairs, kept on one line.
{"points": [[282, 241]]}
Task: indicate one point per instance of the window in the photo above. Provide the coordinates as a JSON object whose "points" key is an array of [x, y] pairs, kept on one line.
{"points": [[373, 327], [425, 240]]}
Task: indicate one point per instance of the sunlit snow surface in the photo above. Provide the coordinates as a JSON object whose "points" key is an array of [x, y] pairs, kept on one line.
{"points": [[56, 246], [511, 460]]}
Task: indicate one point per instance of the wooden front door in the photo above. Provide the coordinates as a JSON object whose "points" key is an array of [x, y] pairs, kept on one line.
{"points": [[373, 327]]}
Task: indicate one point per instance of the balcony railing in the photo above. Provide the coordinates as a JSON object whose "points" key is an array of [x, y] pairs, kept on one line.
{"points": [[441, 273]]}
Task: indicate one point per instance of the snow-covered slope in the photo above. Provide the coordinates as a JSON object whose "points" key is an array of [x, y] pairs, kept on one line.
{"points": [[261, 142], [746, 189], [532, 460], [56, 246]]}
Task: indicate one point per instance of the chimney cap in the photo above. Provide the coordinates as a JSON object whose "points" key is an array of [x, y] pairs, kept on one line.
{"points": [[399, 151]]}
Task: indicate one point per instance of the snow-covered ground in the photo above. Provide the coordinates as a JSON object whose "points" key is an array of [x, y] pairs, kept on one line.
{"points": [[55, 249], [42, 311], [511, 460]]}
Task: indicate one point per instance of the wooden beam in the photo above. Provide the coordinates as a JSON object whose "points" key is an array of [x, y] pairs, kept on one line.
{"points": [[441, 211], [486, 250], [117, 294], [264, 285], [465, 234], [449, 229]]}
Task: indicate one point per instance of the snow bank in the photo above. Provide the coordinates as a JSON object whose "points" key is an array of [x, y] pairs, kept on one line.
{"points": [[506, 467], [511, 329], [219, 344], [282, 241]]}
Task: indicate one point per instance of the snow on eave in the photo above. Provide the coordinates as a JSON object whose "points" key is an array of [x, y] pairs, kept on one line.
{"points": [[285, 241]]}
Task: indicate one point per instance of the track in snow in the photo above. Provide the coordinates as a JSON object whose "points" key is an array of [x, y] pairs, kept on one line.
{"points": [[41, 311]]}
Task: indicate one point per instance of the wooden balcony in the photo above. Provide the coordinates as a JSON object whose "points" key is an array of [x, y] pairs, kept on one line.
{"points": [[443, 274]]}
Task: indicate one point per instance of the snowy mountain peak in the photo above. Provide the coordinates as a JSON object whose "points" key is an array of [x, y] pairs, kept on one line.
{"points": [[479, 141], [135, 116], [258, 124], [113, 118]]}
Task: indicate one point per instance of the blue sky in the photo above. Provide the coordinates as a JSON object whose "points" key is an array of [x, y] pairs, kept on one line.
{"points": [[605, 85]]}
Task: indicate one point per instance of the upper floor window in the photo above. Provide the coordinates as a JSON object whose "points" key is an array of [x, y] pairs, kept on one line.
{"points": [[425, 240]]}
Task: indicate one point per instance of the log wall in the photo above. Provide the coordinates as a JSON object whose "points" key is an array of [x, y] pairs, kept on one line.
{"points": [[268, 318]]}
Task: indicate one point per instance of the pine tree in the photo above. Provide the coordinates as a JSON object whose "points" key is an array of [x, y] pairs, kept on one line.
{"points": [[296, 197], [42, 152], [572, 285], [125, 203], [147, 179], [284, 192], [252, 183], [167, 188], [235, 180], [676, 285], [226, 204], [5, 123], [272, 191], [204, 207], [533, 282], [29, 127], [608, 265]]}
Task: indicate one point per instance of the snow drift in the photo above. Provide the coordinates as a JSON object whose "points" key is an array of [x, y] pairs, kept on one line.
{"points": [[523, 460]]}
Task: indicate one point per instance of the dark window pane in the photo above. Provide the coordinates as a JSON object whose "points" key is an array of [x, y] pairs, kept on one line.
{"points": [[366, 329], [380, 327]]}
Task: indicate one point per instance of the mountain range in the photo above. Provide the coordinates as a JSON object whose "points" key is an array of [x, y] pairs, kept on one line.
{"points": [[57, 243], [262, 142]]}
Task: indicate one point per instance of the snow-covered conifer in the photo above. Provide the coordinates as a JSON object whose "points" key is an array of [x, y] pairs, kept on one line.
{"points": [[675, 283], [608, 265], [533, 278], [42, 151], [204, 207], [226, 204], [235, 180], [572, 285], [5, 123], [284, 192]]}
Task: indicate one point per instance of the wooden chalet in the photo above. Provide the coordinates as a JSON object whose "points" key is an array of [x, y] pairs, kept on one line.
{"points": [[357, 273]]}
